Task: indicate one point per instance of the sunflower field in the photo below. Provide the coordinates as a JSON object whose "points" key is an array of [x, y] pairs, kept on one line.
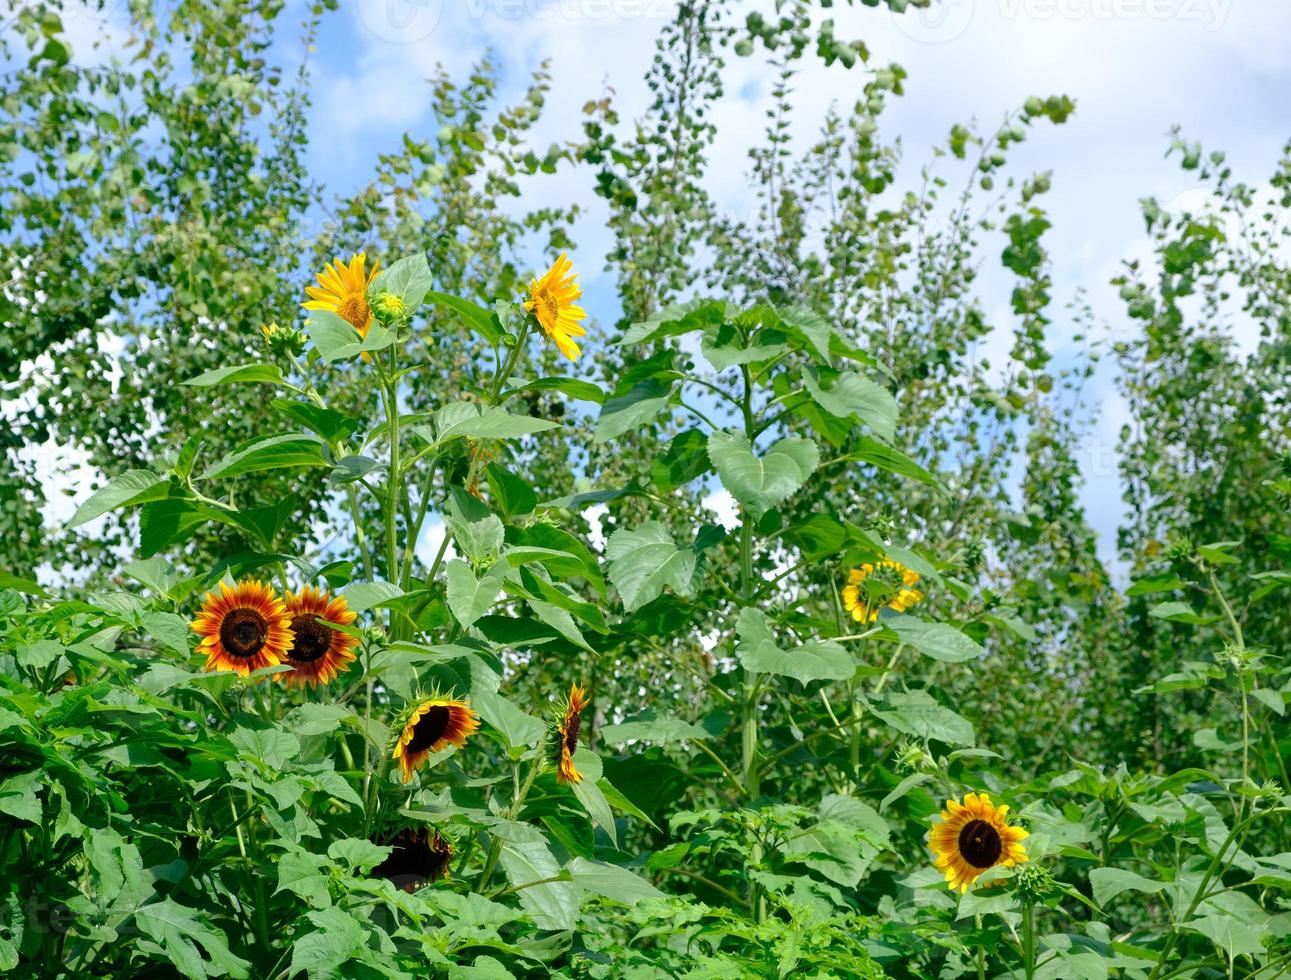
{"points": [[419, 615]]}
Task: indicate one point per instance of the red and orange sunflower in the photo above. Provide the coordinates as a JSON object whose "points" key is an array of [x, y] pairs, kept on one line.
{"points": [[318, 652], [244, 628], [433, 725], [562, 737]]}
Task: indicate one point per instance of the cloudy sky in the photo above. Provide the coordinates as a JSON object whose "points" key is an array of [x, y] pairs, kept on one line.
{"points": [[1220, 69]]}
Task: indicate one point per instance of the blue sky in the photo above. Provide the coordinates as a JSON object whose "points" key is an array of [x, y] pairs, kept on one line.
{"points": [[1221, 69]]}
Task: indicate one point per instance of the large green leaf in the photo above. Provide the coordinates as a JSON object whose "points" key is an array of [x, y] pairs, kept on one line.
{"points": [[177, 932], [894, 461], [131, 488], [337, 340], [1107, 883], [644, 560], [472, 421], [815, 660], [640, 406], [612, 882], [762, 482], [257, 373], [552, 906], [850, 394], [408, 278], [469, 597], [270, 453], [476, 317], [936, 640], [918, 713]]}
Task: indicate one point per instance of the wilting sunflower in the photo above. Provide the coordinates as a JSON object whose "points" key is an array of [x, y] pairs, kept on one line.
{"points": [[973, 837], [244, 628], [433, 725], [317, 652], [418, 855], [562, 736], [343, 289], [877, 584], [551, 300]]}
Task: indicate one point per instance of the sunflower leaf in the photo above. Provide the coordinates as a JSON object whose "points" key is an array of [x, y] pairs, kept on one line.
{"points": [[639, 406], [476, 317], [644, 560], [469, 597], [849, 395], [612, 882], [815, 660], [252, 373], [130, 488], [471, 421], [762, 482], [290, 451], [408, 278], [936, 640], [177, 932]]}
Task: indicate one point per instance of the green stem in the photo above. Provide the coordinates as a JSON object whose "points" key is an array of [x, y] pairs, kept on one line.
{"points": [[513, 811]]}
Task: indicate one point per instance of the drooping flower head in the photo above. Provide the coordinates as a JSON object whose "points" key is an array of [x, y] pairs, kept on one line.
{"points": [[317, 652], [973, 837], [343, 289], [562, 736], [878, 584], [433, 725], [418, 855], [243, 628], [552, 300]]}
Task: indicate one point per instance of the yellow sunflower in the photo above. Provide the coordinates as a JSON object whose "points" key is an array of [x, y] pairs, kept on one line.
{"points": [[551, 300], [343, 289], [562, 738], [244, 628], [973, 837], [877, 584], [318, 652], [432, 726]]}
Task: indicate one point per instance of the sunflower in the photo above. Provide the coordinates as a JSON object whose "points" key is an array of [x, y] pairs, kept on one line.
{"points": [[551, 300], [434, 724], [318, 652], [417, 855], [973, 837], [562, 737], [244, 628], [877, 584], [343, 289]]}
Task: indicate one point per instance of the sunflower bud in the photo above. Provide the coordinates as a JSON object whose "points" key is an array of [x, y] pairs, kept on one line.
{"points": [[389, 308], [376, 633], [1033, 883], [282, 340]]}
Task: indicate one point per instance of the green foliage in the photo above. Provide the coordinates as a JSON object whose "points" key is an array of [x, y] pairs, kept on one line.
{"points": [[784, 693]]}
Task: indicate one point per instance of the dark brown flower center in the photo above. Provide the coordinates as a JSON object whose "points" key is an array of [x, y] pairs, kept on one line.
{"points": [[430, 728], [416, 857], [573, 725], [312, 641], [980, 844], [243, 632]]}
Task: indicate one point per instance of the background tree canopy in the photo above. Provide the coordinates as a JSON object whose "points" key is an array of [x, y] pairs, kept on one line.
{"points": [[805, 518]]}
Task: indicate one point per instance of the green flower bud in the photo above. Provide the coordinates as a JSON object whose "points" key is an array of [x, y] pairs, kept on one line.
{"points": [[389, 308]]}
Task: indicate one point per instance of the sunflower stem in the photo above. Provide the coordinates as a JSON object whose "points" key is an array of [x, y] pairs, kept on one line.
{"points": [[390, 396], [513, 811]]}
